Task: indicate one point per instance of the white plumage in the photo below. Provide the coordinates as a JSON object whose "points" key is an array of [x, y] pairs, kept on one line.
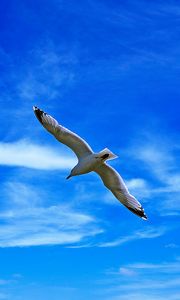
{"points": [[89, 161]]}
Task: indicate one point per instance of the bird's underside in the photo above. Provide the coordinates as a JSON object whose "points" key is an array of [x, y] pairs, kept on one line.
{"points": [[110, 177]]}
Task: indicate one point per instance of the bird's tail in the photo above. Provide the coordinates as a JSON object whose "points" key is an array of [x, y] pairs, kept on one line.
{"points": [[106, 154]]}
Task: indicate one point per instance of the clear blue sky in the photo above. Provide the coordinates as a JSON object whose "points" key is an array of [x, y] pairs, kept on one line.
{"points": [[108, 70]]}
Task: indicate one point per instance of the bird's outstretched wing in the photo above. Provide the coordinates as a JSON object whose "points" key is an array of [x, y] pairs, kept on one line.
{"points": [[113, 181], [62, 134]]}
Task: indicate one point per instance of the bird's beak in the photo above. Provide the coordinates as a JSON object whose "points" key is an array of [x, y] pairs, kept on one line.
{"points": [[68, 176]]}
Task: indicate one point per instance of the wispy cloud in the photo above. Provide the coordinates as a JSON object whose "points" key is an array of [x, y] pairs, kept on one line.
{"points": [[139, 187], [172, 246], [50, 69], [4, 281], [146, 296], [163, 267], [24, 224], [160, 162], [149, 233], [44, 72], [127, 271], [24, 153], [139, 280]]}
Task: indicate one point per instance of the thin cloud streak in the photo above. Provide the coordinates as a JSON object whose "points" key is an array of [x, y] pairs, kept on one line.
{"points": [[142, 280], [144, 296], [163, 267], [137, 235]]}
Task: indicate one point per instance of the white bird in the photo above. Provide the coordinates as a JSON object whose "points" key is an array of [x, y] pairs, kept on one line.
{"points": [[89, 161]]}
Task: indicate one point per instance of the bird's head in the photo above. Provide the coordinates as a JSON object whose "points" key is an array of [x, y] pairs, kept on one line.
{"points": [[73, 172]]}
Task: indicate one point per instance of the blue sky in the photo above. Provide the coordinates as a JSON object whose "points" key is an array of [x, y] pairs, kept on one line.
{"points": [[108, 70]]}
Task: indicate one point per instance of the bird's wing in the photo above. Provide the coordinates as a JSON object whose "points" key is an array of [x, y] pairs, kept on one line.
{"points": [[62, 134], [113, 181]]}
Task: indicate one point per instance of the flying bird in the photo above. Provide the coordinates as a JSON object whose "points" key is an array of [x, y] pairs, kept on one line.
{"points": [[89, 161]]}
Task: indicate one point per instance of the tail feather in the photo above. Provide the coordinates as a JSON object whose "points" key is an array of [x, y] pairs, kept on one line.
{"points": [[106, 154]]}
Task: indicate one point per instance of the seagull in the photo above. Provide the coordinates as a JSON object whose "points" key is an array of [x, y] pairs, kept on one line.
{"points": [[89, 161]]}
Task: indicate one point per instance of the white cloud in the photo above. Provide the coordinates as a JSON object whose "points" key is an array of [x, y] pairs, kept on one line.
{"points": [[172, 246], [136, 183], [137, 235], [160, 160], [126, 271], [149, 284], [144, 295], [24, 153], [50, 71], [144, 280], [30, 223], [163, 267], [45, 226], [139, 187]]}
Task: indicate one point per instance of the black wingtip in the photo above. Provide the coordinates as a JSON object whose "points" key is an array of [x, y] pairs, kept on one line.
{"points": [[139, 213], [38, 112], [144, 217]]}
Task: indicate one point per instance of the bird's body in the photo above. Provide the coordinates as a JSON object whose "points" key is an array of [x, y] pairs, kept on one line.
{"points": [[86, 164], [89, 161]]}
